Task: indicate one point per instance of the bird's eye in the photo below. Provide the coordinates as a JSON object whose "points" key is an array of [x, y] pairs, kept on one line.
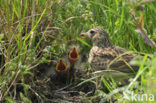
{"points": [[92, 32]]}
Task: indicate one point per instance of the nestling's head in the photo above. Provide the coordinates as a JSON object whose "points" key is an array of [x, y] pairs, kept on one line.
{"points": [[98, 36]]}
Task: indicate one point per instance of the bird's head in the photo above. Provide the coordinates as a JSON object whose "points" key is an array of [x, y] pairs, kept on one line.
{"points": [[98, 36]]}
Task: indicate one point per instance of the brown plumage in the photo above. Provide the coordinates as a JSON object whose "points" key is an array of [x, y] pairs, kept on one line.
{"points": [[104, 55]]}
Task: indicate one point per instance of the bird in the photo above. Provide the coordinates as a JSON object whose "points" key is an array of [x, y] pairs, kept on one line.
{"points": [[106, 56]]}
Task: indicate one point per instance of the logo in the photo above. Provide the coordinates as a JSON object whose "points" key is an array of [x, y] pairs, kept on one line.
{"points": [[131, 96]]}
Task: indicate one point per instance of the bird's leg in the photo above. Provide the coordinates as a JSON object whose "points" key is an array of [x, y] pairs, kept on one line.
{"points": [[98, 83]]}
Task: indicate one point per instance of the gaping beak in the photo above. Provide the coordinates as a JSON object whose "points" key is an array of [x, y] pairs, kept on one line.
{"points": [[84, 34]]}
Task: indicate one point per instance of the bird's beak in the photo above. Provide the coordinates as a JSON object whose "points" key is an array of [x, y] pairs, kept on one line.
{"points": [[84, 34]]}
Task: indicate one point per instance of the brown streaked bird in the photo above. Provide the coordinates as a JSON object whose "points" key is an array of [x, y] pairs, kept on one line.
{"points": [[104, 55]]}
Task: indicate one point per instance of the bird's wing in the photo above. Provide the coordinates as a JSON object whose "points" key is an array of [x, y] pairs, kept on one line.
{"points": [[112, 58], [122, 63]]}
